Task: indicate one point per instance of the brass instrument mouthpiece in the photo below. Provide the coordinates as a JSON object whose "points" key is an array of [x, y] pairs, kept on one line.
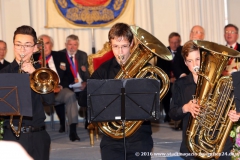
{"points": [[121, 57], [22, 55], [196, 68]]}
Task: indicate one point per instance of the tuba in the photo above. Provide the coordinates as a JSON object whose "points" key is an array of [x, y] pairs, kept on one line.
{"points": [[145, 47], [207, 133]]}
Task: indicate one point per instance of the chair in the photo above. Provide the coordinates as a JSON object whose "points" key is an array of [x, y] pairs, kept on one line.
{"points": [[94, 61]]}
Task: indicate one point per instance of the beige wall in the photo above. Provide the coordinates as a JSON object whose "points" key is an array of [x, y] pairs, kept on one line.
{"points": [[234, 12]]}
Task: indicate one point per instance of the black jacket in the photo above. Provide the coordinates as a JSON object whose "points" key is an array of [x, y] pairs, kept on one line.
{"points": [[5, 63], [179, 66]]}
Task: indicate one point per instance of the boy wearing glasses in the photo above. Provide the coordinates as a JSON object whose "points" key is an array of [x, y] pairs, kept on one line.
{"points": [[121, 40], [33, 137]]}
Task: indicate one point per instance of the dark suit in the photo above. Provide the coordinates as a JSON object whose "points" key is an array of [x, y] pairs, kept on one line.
{"points": [[5, 63], [167, 67], [179, 66], [82, 60]]}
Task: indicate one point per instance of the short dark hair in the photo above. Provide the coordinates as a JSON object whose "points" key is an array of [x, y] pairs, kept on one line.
{"points": [[188, 47], [28, 30], [174, 34], [120, 30], [231, 25]]}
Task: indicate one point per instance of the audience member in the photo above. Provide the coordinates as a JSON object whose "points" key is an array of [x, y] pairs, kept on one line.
{"points": [[174, 40], [78, 62], [180, 69], [34, 138], [63, 95], [3, 51], [231, 37]]}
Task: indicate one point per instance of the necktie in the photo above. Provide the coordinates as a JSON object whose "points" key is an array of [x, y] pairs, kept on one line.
{"points": [[173, 53], [72, 60], [231, 47]]}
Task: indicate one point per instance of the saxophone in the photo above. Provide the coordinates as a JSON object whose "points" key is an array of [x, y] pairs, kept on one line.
{"points": [[207, 133], [145, 47]]}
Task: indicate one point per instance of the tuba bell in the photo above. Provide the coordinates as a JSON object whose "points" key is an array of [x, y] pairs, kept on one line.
{"points": [[145, 47], [207, 133]]}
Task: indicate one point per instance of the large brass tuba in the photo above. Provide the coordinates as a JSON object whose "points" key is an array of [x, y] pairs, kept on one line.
{"points": [[207, 133], [145, 47], [43, 80]]}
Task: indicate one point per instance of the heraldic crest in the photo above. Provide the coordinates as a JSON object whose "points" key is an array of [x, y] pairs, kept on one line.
{"points": [[94, 13]]}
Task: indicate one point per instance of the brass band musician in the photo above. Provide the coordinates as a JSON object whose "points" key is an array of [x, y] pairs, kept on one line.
{"points": [[183, 105], [33, 137], [121, 40]]}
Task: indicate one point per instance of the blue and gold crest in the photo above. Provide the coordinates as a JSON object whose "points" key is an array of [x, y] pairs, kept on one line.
{"points": [[90, 12]]}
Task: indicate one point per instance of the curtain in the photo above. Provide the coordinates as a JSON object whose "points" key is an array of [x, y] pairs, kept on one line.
{"points": [[159, 17]]}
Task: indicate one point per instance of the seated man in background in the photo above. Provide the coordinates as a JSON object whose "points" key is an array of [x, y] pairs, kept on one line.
{"points": [[174, 40], [77, 60], [3, 51], [231, 38], [63, 95]]}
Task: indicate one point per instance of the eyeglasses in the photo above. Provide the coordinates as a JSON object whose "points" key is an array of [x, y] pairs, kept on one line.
{"points": [[197, 32], [2, 49], [230, 32], [26, 47], [123, 47]]}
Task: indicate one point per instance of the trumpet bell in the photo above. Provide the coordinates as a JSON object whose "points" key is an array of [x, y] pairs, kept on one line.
{"points": [[44, 80]]}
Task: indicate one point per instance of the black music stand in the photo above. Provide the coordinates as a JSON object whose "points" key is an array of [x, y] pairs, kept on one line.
{"points": [[126, 99], [236, 89], [15, 95]]}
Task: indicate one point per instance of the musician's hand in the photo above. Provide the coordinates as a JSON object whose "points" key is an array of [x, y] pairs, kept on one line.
{"points": [[172, 80], [191, 107], [84, 84], [83, 68], [233, 115], [182, 75], [62, 66], [28, 67], [57, 89]]}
